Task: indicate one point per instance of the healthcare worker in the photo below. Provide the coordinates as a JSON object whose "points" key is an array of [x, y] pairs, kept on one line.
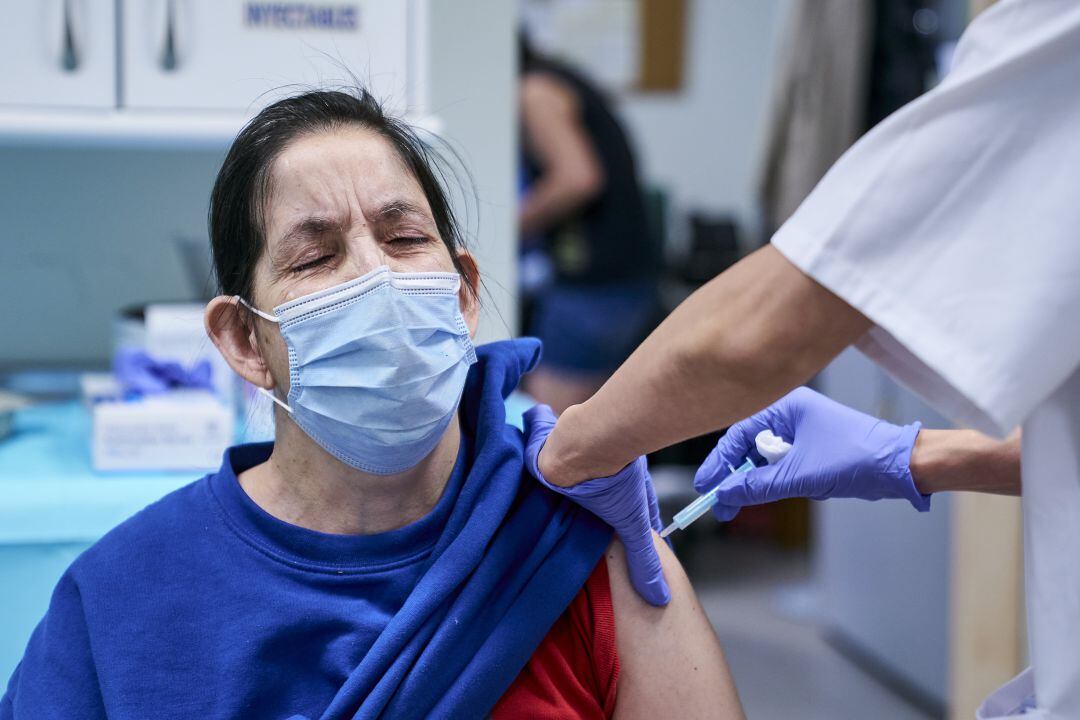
{"points": [[946, 245]]}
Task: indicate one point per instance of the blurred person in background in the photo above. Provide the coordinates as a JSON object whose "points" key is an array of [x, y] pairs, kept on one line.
{"points": [[582, 205]]}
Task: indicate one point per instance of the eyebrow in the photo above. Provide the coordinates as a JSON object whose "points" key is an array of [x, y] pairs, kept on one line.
{"points": [[400, 208], [316, 226], [306, 229]]}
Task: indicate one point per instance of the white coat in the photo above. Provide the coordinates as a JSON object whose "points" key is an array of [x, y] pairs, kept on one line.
{"points": [[954, 226]]}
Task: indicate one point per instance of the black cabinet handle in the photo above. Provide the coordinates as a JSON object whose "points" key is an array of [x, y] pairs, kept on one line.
{"points": [[69, 59], [169, 59]]}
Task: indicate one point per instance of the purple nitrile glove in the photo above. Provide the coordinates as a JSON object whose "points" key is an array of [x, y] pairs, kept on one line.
{"points": [[141, 374], [836, 452], [626, 501]]}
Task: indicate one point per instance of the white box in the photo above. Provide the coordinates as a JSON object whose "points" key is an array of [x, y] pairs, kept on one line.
{"points": [[179, 430], [175, 332]]}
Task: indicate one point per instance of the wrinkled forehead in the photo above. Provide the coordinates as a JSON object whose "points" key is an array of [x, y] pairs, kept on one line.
{"points": [[345, 175]]}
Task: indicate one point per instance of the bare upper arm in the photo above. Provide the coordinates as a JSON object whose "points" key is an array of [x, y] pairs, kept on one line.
{"points": [[556, 136], [670, 660], [742, 341]]}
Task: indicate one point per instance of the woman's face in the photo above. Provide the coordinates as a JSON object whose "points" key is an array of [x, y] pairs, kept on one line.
{"points": [[341, 204]]}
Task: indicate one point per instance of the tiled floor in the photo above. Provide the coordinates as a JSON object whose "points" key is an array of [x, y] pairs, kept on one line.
{"points": [[782, 666]]}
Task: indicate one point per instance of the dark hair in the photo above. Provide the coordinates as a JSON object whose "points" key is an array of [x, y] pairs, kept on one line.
{"points": [[527, 55], [242, 188]]}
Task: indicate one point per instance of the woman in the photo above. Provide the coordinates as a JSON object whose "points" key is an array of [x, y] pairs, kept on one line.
{"points": [[584, 201], [382, 557]]}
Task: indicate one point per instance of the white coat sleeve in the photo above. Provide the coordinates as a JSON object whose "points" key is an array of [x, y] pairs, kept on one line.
{"points": [[954, 225]]}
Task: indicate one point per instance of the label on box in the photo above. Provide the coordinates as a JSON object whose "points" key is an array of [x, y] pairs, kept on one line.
{"points": [[177, 431]]}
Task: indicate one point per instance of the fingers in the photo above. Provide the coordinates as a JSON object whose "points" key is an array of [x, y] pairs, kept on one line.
{"points": [[654, 506], [737, 443], [654, 511], [538, 421], [641, 468], [754, 487], [730, 450], [643, 564]]}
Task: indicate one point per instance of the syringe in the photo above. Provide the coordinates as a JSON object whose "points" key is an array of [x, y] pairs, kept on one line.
{"points": [[772, 447], [702, 505]]}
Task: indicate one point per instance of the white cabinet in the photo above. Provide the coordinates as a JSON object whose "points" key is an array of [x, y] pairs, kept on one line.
{"points": [[239, 55], [58, 53], [883, 568], [189, 73]]}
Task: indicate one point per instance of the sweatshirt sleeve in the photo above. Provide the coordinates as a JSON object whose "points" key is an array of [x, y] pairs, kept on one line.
{"points": [[56, 677]]}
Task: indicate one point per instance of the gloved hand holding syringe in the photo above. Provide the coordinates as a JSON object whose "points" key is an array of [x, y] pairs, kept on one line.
{"points": [[770, 446]]}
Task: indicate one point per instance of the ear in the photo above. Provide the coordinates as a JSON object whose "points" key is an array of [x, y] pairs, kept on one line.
{"points": [[233, 334], [469, 295]]}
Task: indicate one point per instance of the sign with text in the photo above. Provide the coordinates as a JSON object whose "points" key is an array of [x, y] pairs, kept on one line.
{"points": [[301, 16]]}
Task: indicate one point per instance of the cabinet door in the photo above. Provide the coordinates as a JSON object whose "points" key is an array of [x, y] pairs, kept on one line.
{"points": [[240, 55], [59, 53]]}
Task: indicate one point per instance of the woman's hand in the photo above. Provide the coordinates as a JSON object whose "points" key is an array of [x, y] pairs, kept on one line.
{"points": [[626, 501], [836, 452]]}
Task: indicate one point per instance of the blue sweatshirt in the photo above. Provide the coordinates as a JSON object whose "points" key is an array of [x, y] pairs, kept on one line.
{"points": [[205, 606]]}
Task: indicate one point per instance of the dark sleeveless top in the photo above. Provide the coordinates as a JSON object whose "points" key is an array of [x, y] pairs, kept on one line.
{"points": [[608, 240]]}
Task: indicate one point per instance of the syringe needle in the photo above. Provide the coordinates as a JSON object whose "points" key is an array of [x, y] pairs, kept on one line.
{"points": [[700, 506], [771, 446]]}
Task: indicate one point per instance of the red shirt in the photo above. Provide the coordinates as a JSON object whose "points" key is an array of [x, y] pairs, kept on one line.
{"points": [[573, 672]]}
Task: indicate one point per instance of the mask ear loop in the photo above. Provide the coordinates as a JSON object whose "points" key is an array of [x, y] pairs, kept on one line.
{"points": [[257, 311], [273, 319], [273, 397]]}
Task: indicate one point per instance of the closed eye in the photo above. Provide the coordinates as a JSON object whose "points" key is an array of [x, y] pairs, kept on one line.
{"points": [[311, 265], [410, 240]]}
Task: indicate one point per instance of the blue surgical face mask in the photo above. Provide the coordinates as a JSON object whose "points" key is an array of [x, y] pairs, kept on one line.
{"points": [[376, 366]]}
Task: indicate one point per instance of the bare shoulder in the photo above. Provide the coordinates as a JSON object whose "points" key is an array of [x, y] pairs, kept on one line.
{"points": [[541, 92], [670, 659]]}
